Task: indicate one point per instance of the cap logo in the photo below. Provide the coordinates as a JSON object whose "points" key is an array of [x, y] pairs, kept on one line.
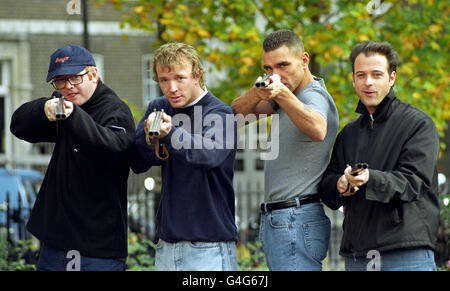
{"points": [[61, 60]]}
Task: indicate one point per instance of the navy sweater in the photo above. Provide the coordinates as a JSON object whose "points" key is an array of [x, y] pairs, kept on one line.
{"points": [[197, 180]]}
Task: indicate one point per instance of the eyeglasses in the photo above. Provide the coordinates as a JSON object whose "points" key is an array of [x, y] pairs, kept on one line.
{"points": [[73, 80]]}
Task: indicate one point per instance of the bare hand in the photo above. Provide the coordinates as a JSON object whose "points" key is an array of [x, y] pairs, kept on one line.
{"points": [[164, 127], [348, 184], [272, 90], [50, 105]]}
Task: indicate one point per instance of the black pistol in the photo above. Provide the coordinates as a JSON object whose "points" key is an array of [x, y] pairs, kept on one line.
{"points": [[264, 82], [358, 168], [60, 112], [156, 124]]}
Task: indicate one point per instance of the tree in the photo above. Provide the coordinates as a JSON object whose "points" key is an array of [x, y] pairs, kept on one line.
{"points": [[229, 34]]}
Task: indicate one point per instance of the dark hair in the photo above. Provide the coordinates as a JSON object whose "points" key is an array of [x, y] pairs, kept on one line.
{"points": [[370, 48], [283, 37]]}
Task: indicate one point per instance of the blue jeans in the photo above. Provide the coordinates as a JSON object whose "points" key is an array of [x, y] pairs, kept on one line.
{"points": [[51, 259], [295, 238], [421, 259], [195, 256]]}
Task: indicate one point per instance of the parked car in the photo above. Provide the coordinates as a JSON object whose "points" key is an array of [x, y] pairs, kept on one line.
{"points": [[17, 196]]}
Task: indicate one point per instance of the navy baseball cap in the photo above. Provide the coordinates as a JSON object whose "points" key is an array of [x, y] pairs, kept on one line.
{"points": [[69, 60]]}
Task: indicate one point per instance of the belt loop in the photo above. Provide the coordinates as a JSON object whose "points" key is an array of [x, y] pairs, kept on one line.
{"points": [[297, 200], [265, 207]]}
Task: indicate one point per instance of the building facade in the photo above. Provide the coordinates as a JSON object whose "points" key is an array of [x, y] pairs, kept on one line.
{"points": [[30, 31]]}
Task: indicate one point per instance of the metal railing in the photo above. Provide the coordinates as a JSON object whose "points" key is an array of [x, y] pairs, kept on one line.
{"points": [[13, 218]]}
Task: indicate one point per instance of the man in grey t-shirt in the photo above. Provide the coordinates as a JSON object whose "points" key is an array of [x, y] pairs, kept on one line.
{"points": [[294, 230]]}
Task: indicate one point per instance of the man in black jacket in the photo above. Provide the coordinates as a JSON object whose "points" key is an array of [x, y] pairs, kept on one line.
{"points": [[391, 208], [80, 214]]}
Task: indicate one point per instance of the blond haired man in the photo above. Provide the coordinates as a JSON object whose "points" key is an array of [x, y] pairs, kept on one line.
{"points": [[195, 220], [80, 213]]}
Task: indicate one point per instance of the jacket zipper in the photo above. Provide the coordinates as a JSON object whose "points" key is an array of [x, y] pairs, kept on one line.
{"points": [[369, 140]]}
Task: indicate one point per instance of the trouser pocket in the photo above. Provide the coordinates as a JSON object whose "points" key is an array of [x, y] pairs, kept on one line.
{"points": [[317, 238]]}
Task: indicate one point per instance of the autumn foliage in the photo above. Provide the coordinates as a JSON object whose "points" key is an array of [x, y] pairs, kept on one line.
{"points": [[229, 34]]}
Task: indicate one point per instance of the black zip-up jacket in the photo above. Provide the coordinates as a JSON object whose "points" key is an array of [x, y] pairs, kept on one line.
{"points": [[399, 206], [82, 202]]}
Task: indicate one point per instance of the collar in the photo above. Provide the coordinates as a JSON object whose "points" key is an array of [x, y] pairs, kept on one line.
{"points": [[383, 109], [98, 91], [198, 99]]}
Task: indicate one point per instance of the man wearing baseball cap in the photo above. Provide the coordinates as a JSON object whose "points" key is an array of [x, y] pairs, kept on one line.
{"points": [[80, 214]]}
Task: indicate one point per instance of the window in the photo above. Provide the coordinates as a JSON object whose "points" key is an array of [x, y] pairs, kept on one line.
{"points": [[98, 58], [150, 88], [4, 105], [239, 165], [259, 164], [2, 125]]}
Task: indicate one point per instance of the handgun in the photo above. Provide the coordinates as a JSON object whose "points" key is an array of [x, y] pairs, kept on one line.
{"points": [[264, 82], [358, 168], [156, 124], [60, 112], [355, 171]]}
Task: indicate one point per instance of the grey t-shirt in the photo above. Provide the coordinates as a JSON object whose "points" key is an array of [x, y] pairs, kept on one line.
{"points": [[298, 169]]}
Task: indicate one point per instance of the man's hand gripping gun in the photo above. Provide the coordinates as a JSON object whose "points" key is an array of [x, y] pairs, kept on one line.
{"points": [[263, 81], [356, 170], [60, 112]]}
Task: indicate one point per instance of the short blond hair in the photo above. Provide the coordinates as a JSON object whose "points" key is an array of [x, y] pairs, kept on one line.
{"points": [[89, 70], [171, 54]]}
